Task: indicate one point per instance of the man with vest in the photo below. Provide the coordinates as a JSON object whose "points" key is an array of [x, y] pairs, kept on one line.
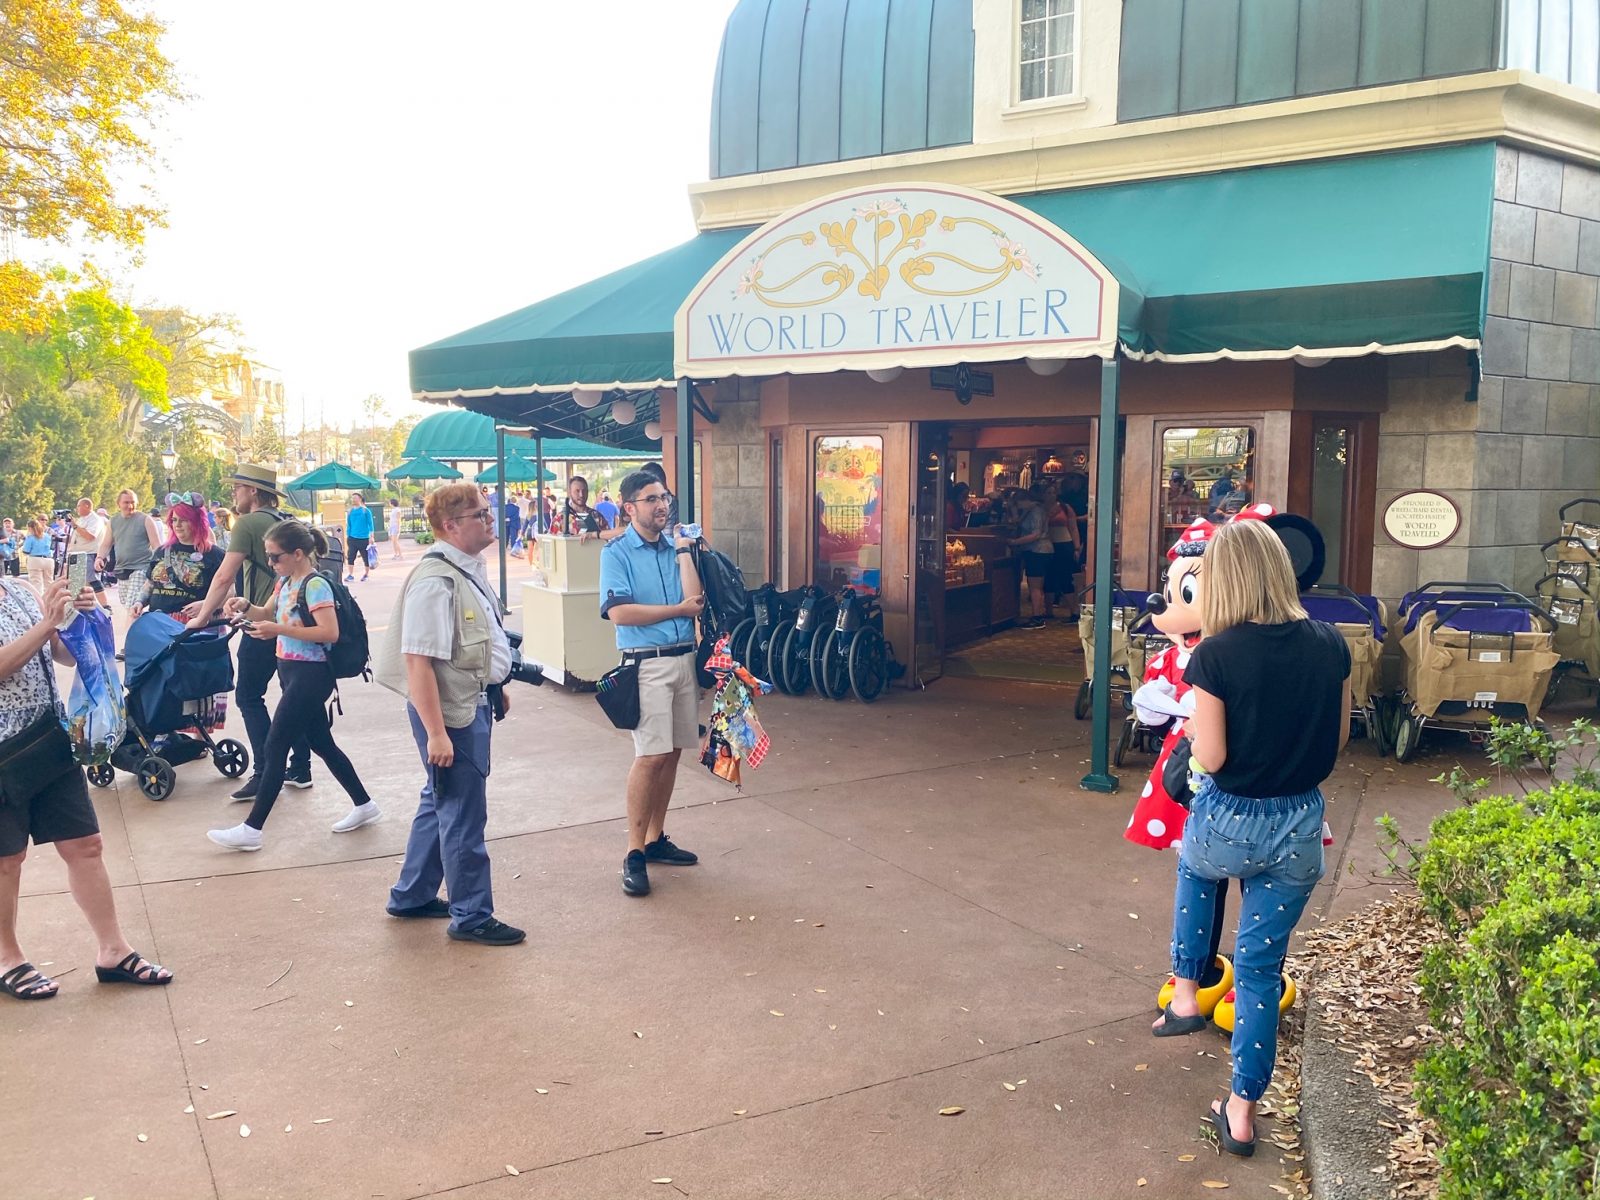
{"points": [[445, 650], [255, 498], [651, 592]]}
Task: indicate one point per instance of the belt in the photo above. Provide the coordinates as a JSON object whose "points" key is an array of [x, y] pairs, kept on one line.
{"points": [[659, 652]]}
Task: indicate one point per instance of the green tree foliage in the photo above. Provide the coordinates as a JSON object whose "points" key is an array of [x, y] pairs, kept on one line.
{"points": [[89, 340], [56, 446]]}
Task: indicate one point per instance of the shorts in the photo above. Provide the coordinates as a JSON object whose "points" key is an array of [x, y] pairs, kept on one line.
{"points": [[669, 699], [61, 812], [1035, 566], [130, 587], [355, 551]]}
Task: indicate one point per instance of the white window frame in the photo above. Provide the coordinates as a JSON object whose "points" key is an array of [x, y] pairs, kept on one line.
{"points": [[1069, 99]]}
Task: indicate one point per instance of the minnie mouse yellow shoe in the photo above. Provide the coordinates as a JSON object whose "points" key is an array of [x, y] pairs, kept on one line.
{"points": [[1223, 1015], [1209, 997]]}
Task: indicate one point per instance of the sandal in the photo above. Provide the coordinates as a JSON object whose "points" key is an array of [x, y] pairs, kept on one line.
{"points": [[134, 969], [27, 982], [1218, 1114], [1173, 1025]]}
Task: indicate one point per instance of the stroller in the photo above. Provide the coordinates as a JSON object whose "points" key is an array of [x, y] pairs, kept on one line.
{"points": [[174, 678], [1363, 621], [1472, 651], [1127, 651]]}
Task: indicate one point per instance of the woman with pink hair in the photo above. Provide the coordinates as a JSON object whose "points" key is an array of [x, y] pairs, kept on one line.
{"points": [[181, 574]]}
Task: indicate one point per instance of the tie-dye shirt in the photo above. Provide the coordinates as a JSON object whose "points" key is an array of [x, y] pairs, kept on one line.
{"points": [[317, 595]]}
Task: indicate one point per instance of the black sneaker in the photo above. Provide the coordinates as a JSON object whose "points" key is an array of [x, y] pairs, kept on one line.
{"points": [[248, 791], [490, 933], [635, 878], [663, 851], [1035, 623], [298, 779]]}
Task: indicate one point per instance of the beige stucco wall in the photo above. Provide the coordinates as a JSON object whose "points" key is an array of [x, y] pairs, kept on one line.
{"points": [[996, 115]]}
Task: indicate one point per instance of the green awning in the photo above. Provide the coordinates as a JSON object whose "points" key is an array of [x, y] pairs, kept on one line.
{"points": [[1356, 255], [461, 436]]}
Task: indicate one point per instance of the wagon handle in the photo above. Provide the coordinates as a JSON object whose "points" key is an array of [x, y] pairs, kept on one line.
{"points": [[1345, 593], [1522, 603], [1569, 541], [1562, 511]]}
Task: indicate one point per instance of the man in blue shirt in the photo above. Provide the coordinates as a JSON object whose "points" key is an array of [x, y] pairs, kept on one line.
{"points": [[357, 536], [651, 592]]}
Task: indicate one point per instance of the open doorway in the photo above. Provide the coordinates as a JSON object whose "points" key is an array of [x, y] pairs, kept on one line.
{"points": [[988, 606]]}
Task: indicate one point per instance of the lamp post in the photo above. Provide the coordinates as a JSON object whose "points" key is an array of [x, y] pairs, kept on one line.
{"points": [[169, 460]]}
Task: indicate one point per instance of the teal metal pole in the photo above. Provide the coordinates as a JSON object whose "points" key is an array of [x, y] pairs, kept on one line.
{"points": [[684, 484], [1106, 490], [541, 522], [500, 511]]}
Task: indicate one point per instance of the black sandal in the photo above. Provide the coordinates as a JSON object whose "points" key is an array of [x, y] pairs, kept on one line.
{"points": [[27, 982], [1173, 1025], [1219, 1122], [134, 969]]}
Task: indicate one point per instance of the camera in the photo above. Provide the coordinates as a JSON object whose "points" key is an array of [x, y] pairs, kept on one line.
{"points": [[522, 671], [63, 514]]}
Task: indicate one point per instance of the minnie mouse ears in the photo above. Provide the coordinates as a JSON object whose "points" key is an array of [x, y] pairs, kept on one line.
{"points": [[1308, 552]]}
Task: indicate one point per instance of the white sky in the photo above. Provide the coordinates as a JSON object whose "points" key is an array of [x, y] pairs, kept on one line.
{"points": [[356, 179]]}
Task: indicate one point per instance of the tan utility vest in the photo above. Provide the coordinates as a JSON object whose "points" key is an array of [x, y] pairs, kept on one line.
{"points": [[463, 678]]}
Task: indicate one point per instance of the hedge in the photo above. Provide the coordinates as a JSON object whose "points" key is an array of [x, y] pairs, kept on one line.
{"points": [[1514, 1087]]}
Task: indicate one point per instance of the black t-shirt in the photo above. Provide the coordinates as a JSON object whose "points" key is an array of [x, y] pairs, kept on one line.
{"points": [[1283, 688], [179, 576]]}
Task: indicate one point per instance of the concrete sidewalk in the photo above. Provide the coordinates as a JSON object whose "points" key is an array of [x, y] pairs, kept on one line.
{"points": [[911, 905]]}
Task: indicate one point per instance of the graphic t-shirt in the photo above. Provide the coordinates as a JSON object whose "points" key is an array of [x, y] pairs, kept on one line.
{"points": [[317, 595], [1283, 689], [180, 575], [358, 522]]}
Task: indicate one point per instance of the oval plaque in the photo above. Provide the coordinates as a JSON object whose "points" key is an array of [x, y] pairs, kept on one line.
{"points": [[1421, 520]]}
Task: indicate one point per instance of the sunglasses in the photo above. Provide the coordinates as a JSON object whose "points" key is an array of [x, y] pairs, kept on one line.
{"points": [[273, 558]]}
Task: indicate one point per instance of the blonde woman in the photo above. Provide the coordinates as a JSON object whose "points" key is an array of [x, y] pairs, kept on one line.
{"points": [[41, 555], [1272, 712]]}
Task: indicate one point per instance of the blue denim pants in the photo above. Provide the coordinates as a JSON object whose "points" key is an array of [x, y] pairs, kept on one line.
{"points": [[1273, 847]]}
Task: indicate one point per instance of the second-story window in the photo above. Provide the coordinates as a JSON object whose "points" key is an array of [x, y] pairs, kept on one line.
{"points": [[1046, 59]]}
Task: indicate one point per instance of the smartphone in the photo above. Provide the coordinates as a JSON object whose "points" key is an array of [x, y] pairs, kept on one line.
{"points": [[77, 574]]}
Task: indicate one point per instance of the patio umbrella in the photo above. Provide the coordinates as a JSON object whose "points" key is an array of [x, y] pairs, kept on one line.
{"points": [[328, 477], [518, 470], [423, 467], [331, 476]]}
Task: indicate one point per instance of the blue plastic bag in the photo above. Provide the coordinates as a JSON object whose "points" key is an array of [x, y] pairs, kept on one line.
{"points": [[96, 716], [372, 557]]}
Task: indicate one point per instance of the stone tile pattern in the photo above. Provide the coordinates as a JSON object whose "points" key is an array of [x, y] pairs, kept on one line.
{"points": [[1532, 441], [738, 480]]}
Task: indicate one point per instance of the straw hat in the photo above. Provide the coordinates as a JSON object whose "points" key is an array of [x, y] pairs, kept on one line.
{"points": [[263, 479]]}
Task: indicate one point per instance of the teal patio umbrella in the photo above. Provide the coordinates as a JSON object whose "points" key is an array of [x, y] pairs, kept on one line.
{"points": [[422, 467], [518, 470], [330, 477]]}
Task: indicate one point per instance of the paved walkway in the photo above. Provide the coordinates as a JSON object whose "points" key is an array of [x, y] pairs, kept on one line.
{"points": [[909, 907]]}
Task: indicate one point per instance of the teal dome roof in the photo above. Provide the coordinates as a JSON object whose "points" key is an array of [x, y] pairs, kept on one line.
{"points": [[818, 81]]}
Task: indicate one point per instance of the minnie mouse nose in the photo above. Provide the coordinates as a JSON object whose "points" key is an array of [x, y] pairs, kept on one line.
{"points": [[1155, 603]]}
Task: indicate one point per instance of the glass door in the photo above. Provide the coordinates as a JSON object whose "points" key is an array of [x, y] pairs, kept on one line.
{"points": [[932, 470]]}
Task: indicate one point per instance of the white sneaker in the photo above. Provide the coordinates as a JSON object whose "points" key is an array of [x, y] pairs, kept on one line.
{"points": [[240, 837], [361, 814]]}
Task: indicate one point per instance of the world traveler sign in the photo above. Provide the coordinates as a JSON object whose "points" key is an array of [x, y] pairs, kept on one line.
{"points": [[882, 277]]}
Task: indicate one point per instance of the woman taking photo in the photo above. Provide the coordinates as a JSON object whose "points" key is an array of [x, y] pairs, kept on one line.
{"points": [[1272, 712], [181, 574], [55, 807], [293, 549]]}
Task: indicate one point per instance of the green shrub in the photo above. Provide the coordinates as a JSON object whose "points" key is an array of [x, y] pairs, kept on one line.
{"points": [[424, 537], [1514, 1086]]}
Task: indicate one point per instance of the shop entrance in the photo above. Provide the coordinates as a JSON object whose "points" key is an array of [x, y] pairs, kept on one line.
{"points": [[973, 605]]}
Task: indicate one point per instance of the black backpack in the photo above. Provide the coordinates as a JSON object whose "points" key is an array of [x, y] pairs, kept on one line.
{"points": [[350, 656], [727, 600]]}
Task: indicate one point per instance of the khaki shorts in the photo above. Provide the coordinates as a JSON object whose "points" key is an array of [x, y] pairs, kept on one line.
{"points": [[668, 699]]}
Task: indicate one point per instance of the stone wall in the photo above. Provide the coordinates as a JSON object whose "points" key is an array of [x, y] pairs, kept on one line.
{"points": [[1532, 440], [738, 482]]}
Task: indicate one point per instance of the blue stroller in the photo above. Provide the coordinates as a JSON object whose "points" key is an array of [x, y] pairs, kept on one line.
{"points": [[174, 678]]}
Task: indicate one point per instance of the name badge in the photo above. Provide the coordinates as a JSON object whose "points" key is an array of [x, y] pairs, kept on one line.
{"points": [[468, 615]]}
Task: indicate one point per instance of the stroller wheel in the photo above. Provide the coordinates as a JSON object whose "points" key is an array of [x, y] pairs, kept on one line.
{"points": [[231, 758], [101, 774], [1407, 737], [156, 779], [1124, 743], [1080, 706]]}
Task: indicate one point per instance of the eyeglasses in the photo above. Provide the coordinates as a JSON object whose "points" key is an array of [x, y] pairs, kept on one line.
{"points": [[654, 498], [481, 514]]}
